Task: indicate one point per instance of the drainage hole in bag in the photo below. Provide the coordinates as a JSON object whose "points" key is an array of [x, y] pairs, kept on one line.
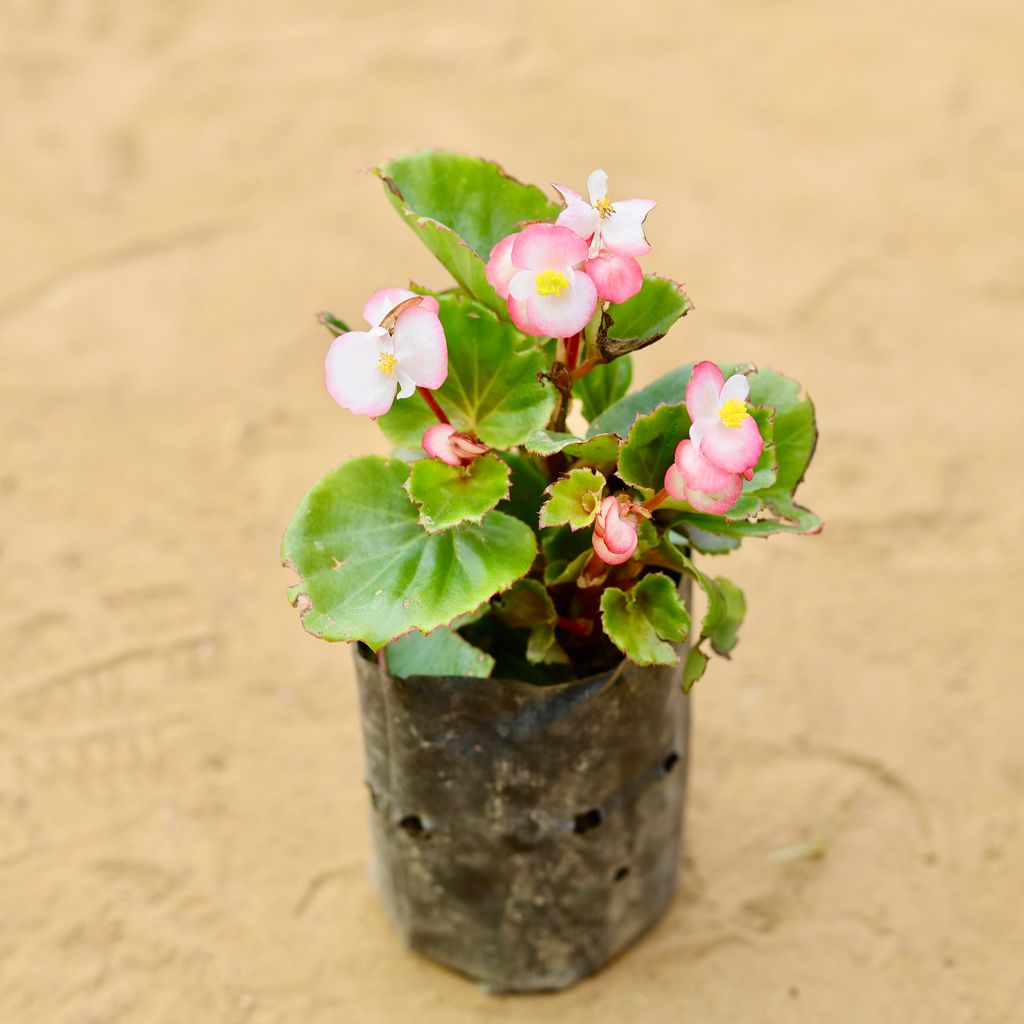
{"points": [[587, 820], [621, 873], [669, 763], [413, 825]]}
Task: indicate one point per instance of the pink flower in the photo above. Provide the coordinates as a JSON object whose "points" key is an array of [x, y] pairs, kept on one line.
{"points": [[617, 227], [442, 441], [615, 536], [721, 428], [616, 278], [536, 270], [404, 349], [697, 480]]}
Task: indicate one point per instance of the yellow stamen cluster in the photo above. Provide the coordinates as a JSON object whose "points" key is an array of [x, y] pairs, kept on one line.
{"points": [[551, 282], [733, 412], [604, 207], [386, 364]]}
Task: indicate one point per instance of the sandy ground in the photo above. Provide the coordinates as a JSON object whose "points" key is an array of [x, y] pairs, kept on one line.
{"points": [[183, 831]]}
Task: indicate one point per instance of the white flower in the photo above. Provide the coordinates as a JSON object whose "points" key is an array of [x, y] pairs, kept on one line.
{"points": [[615, 227]]}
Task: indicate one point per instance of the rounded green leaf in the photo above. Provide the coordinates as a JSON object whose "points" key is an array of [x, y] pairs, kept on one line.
{"points": [[370, 572], [600, 448], [643, 319], [573, 500], [669, 389], [449, 495], [461, 207], [603, 386], [441, 653], [650, 448], [492, 388], [640, 621]]}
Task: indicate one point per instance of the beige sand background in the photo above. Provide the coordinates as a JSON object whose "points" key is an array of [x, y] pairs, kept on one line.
{"points": [[183, 832]]}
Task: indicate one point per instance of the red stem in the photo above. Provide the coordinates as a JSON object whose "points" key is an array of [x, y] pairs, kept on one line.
{"points": [[435, 408], [572, 351], [581, 627], [585, 367], [653, 503]]}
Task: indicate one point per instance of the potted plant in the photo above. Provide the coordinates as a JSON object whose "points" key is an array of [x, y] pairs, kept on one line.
{"points": [[519, 592]]}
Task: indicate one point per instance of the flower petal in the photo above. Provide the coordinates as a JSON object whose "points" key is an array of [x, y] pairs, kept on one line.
{"points": [[623, 234], [737, 387], [500, 268], [519, 316], [406, 385], [597, 185], [610, 557], [420, 347], [437, 443], [522, 286], [380, 303], [352, 375], [578, 216], [619, 535], [697, 471], [702, 390], [617, 278], [674, 483], [718, 502], [561, 316], [546, 246], [735, 449]]}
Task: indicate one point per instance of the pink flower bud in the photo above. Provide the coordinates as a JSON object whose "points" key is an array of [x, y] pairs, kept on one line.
{"points": [[615, 537]]}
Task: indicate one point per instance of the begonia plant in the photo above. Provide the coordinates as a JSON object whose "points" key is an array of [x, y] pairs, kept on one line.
{"points": [[495, 540]]}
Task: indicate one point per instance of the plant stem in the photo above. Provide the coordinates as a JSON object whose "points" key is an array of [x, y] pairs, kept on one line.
{"points": [[572, 352], [435, 408], [585, 367], [581, 627], [653, 503]]}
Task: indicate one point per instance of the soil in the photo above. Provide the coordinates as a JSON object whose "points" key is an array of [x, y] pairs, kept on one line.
{"points": [[183, 824]]}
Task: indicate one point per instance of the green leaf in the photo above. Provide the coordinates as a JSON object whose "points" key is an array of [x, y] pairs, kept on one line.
{"points": [[565, 553], [492, 388], [441, 653], [723, 638], [767, 469], [333, 324], [529, 606], [715, 600], [574, 499], [707, 543], [460, 207], [527, 491], [650, 448], [669, 389], [449, 495], [601, 448], [693, 668], [640, 620], [370, 572], [603, 386], [795, 435], [643, 319]]}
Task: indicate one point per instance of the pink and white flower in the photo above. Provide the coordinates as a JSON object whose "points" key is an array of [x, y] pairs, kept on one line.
{"points": [[694, 479], [722, 430], [537, 271], [405, 348], [617, 227], [442, 441], [615, 536]]}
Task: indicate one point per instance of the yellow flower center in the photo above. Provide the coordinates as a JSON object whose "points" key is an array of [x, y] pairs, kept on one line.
{"points": [[604, 207], [733, 412], [386, 364], [551, 282]]}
